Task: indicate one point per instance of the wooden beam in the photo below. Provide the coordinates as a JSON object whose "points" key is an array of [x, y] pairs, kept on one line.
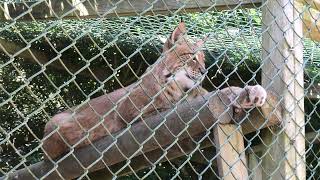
{"points": [[309, 9], [182, 148], [255, 122], [314, 4], [231, 152], [58, 9], [188, 145], [23, 51], [70, 168], [282, 71], [195, 117], [311, 24], [64, 9], [29, 54]]}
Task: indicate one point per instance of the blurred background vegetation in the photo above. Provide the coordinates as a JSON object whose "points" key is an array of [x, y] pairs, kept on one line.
{"points": [[87, 58]]}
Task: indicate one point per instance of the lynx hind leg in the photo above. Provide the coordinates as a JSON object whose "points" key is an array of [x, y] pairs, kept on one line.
{"points": [[232, 93], [59, 142]]}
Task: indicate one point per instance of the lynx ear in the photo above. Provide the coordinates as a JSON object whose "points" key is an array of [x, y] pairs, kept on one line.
{"points": [[179, 31], [176, 34]]}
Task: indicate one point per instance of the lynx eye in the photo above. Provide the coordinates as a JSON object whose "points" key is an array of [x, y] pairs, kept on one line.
{"points": [[168, 75], [184, 57]]}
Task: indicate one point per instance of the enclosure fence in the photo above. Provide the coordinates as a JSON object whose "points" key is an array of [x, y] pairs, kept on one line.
{"points": [[64, 57]]}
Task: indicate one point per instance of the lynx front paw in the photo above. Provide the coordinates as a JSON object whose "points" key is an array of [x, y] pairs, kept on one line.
{"points": [[255, 96]]}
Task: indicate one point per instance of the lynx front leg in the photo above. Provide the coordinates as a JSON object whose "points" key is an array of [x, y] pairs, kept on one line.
{"points": [[252, 96], [248, 97]]}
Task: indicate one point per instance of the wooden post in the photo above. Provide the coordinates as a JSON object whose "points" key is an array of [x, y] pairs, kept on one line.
{"points": [[231, 153], [254, 167], [282, 72]]}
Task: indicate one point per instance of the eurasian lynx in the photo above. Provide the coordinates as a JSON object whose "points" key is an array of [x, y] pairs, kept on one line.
{"points": [[179, 70]]}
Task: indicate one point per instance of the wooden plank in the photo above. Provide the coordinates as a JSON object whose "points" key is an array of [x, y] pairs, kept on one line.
{"points": [[58, 9], [231, 159], [283, 72]]}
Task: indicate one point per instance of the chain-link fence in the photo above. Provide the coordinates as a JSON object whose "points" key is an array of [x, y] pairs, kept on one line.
{"points": [[126, 90]]}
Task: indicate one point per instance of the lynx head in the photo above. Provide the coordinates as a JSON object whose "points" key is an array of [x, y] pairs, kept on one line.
{"points": [[183, 59]]}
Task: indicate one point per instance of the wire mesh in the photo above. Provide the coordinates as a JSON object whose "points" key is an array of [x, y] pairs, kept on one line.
{"points": [[68, 57]]}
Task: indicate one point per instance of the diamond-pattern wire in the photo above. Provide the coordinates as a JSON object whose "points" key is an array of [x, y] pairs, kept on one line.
{"points": [[187, 160], [312, 152], [314, 132], [83, 68]]}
